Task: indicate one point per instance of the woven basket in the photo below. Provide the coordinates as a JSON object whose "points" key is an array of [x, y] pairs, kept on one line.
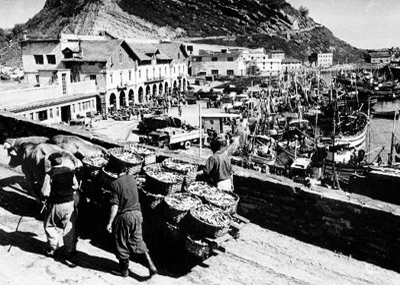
{"points": [[106, 177], [157, 186], [194, 189], [202, 228], [133, 165], [172, 212], [93, 165], [198, 248], [186, 168], [229, 208], [149, 200], [148, 154], [174, 233]]}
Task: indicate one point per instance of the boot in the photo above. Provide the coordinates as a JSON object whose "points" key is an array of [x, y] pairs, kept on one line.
{"points": [[152, 268], [123, 268]]}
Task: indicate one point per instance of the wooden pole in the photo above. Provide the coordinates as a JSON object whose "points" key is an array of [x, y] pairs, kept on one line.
{"points": [[200, 130]]}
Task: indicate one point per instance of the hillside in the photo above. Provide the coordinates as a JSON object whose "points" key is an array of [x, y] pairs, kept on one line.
{"points": [[253, 23]]}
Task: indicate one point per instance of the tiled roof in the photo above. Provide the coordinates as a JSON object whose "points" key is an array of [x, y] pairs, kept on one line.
{"points": [[142, 49], [98, 50], [170, 49], [49, 102]]}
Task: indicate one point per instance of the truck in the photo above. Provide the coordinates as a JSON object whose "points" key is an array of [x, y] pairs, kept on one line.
{"points": [[174, 137]]}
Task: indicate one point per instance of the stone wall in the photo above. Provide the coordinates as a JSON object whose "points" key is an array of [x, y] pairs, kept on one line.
{"points": [[353, 224]]}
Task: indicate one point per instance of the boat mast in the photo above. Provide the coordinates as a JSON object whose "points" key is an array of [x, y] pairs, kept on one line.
{"points": [[390, 158]]}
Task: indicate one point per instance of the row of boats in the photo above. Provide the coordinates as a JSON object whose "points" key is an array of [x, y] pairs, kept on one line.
{"points": [[320, 137]]}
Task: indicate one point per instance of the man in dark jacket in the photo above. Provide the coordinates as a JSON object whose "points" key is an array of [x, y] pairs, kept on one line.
{"points": [[58, 188], [126, 221], [218, 168]]}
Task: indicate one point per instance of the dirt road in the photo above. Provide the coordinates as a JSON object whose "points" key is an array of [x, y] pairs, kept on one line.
{"points": [[259, 256]]}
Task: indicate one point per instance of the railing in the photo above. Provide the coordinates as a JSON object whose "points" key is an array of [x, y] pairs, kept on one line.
{"points": [[28, 95]]}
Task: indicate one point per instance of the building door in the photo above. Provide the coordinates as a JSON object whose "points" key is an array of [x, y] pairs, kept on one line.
{"points": [[66, 113]]}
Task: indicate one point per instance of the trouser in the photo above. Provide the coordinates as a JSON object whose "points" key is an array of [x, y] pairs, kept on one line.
{"points": [[128, 234], [60, 222], [225, 185]]}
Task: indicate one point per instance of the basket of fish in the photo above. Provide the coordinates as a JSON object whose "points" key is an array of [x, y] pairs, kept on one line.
{"points": [[93, 164], [174, 233], [162, 181], [107, 176], [209, 221], [225, 200], [150, 200], [128, 158], [149, 155], [197, 247], [178, 205], [186, 168], [201, 189]]}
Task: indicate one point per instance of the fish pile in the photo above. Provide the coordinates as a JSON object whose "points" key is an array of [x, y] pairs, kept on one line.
{"points": [[201, 189], [221, 199], [144, 151], [182, 167], [127, 156], [95, 161], [162, 175], [211, 215], [182, 201]]}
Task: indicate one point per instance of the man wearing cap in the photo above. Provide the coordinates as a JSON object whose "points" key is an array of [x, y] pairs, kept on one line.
{"points": [[218, 168], [125, 221], [58, 189]]}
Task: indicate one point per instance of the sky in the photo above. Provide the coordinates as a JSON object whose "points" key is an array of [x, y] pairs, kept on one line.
{"points": [[18, 11], [361, 23]]}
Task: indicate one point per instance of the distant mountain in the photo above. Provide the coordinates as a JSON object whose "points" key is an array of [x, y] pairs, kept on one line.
{"points": [[273, 24]]}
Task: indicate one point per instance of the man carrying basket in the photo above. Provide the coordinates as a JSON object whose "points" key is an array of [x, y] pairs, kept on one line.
{"points": [[218, 169], [126, 221]]}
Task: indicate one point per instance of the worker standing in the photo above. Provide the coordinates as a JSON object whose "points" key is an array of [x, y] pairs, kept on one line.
{"points": [[125, 221]]}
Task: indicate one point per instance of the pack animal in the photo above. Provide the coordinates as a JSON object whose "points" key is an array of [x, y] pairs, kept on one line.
{"points": [[33, 158], [79, 147]]}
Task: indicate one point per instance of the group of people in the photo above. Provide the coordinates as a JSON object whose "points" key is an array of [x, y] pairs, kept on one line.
{"points": [[61, 193]]}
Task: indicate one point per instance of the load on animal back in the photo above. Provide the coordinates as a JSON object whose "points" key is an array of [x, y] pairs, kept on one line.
{"points": [[79, 147], [32, 153]]}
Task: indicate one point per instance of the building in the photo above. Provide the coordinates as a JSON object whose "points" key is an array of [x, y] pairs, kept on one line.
{"points": [[225, 63], [322, 60], [291, 64], [378, 56], [276, 54], [57, 100], [124, 71], [260, 62]]}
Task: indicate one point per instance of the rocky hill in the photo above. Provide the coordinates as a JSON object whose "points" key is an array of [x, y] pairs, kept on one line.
{"points": [[253, 23]]}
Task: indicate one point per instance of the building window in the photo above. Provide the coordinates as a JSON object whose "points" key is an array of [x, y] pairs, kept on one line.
{"points": [[93, 77], [140, 74], [51, 59], [230, 72], [51, 113], [130, 75], [58, 112], [31, 116], [230, 58], [165, 71], [214, 58], [111, 78], [73, 108], [214, 72], [79, 107], [93, 104], [198, 59], [38, 58], [147, 74], [42, 115], [120, 55]]}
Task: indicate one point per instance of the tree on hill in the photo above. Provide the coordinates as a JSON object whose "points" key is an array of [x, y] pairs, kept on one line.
{"points": [[304, 11]]}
